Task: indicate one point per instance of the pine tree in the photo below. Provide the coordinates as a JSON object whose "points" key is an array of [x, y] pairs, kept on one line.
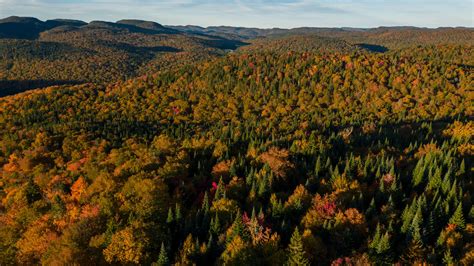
{"points": [[462, 168], [383, 244], [220, 191], [178, 212], [366, 168], [170, 217], [317, 168], [448, 260], [376, 239], [205, 203], [210, 242], [435, 180], [419, 172], [328, 163], [416, 225], [238, 227], [163, 257], [458, 218], [407, 216], [296, 252], [372, 210], [215, 225], [414, 253], [430, 228], [262, 186], [380, 248]]}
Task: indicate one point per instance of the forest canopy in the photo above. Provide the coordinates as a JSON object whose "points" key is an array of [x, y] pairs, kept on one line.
{"points": [[294, 150]]}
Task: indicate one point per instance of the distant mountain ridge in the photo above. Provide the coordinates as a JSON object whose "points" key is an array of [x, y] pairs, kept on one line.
{"points": [[36, 53], [15, 27], [251, 33]]}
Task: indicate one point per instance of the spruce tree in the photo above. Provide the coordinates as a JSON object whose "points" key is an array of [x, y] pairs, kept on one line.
{"points": [[414, 253], [317, 168], [418, 172], [383, 245], [375, 241], [220, 191], [238, 228], [163, 257], [215, 225], [170, 217], [178, 212], [458, 218], [205, 203], [462, 168], [296, 252], [448, 258]]}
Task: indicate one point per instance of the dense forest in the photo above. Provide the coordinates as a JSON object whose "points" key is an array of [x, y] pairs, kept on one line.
{"points": [[58, 52], [295, 149]]}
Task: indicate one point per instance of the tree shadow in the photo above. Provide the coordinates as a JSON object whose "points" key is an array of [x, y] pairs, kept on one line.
{"points": [[373, 47], [224, 44], [11, 87]]}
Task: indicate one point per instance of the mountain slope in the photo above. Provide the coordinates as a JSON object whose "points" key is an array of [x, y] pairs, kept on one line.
{"points": [[224, 163], [393, 37], [58, 51]]}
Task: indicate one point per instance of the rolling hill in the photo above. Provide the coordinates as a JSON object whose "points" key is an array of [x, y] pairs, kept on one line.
{"points": [[36, 53], [352, 156]]}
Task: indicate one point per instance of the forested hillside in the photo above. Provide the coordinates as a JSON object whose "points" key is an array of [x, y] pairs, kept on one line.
{"points": [[37, 54], [393, 37], [296, 150], [59, 52]]}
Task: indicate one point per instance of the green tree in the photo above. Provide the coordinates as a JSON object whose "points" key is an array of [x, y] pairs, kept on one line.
{"points": [[458, 218], [170, 217], [297, 255], [163, 257]]}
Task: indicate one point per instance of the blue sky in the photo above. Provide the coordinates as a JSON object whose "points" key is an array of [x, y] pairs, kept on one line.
{"points": [[255, 13]]}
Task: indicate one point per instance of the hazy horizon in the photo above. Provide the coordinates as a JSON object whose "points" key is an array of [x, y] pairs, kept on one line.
{"points": [[236, 26], [256, 14]]}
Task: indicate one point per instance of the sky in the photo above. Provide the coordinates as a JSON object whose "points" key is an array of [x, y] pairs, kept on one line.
{"points": [[255, 13]]}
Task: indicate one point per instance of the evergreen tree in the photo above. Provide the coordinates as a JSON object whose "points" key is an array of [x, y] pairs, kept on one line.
{"points": [[458, 218], [205, 203], [419, 172], [296, 254], [220, 191], [317, 167], [178, 212], [380, 248], [163, 257], [415, 253], [238, 228], [462, 168], [448, 260], [170, 217], [416, 225], [215, 225], [383, 244], [375, 241]]}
